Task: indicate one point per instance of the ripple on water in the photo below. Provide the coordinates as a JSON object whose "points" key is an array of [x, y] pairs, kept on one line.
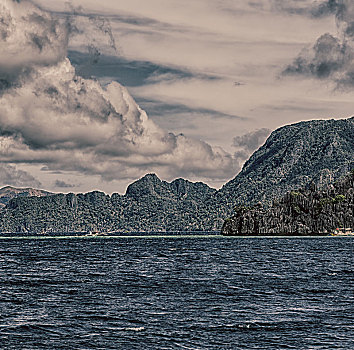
{"points": [[177, 293]]}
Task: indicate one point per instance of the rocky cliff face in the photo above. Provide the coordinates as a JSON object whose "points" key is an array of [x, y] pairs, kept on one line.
{"points": [[303, 212], [294, 156]]}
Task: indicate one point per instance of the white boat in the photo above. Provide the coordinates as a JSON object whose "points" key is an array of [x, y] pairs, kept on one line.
{"points": [[343, 231], [95, 233]]}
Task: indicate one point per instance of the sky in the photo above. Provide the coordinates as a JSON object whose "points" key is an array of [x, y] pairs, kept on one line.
{"points": [[94, 95]]}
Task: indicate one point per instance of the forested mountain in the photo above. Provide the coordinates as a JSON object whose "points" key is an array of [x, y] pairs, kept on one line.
{"points": [[312, 153], [306, 211], [294, 156], [148, 205], [9, 192]]}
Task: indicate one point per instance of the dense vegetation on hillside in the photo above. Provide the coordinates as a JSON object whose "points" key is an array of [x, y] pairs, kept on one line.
{"points": [[9, 192], [303, 212], [294, 156], [148, 205], [315, 152]]}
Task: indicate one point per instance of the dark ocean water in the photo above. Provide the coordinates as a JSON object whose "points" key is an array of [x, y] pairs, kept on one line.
{"points": [[177, 293]]}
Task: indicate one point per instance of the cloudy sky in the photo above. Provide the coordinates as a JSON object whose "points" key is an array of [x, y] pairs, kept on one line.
{"points": [[93, 95]]}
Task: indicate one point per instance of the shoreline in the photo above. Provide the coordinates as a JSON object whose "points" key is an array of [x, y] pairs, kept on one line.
{"points": [[156, 236]]}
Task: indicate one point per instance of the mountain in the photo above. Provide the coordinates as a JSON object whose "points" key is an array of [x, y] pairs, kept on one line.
{"points": [[8, 192], [294, 156], [148, 205], [302, 212], [312, 153], [154, 205]]}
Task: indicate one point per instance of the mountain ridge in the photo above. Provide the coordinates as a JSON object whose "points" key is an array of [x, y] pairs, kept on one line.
{"points": [[297, 155], [9, 192]]}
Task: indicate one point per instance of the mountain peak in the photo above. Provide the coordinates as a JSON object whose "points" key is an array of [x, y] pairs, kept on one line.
{"points": [[144, 186], [150, 177], [294, 156]]}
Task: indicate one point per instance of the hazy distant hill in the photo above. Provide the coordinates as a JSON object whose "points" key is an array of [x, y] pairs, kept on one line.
{"points": [[294, 156], [8, 192]]}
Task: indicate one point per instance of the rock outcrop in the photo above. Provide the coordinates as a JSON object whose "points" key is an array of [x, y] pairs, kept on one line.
{"points": [[302, 212]]}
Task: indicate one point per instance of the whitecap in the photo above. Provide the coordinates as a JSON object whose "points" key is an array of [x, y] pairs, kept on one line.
{"points": [[135, 329]]}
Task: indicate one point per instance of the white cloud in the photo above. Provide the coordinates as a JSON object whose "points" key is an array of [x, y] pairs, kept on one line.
{"points": [[71, 123], [10, 175], [28, 36], [55, 118], [234, 42]]}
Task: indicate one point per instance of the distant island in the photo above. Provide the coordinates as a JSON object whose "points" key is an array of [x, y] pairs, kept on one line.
{"points": [[310, 156]]}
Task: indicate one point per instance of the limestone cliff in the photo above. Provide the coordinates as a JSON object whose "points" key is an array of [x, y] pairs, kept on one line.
{"points": [[301, 212]]}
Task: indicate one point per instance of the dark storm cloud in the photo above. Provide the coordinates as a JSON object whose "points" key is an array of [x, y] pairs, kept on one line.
{"points": [[63, 184], [345, 17], [330, 57], [326, 8], [327, 56], [130, 73], [251, 141], [9, 175], [316, 9]]}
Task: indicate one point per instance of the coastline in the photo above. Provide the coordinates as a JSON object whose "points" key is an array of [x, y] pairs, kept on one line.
{"points": [[164, 236]]}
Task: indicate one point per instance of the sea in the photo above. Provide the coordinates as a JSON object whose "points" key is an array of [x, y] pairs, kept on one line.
{"points": [[176, 292]]}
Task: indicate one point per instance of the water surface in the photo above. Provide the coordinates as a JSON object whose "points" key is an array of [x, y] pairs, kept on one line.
{"points": [[177, 293]]}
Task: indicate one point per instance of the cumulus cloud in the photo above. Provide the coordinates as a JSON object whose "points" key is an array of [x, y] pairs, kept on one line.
{"points": [[54, 118], [327, 57], [252, 140], [10, 175], [248, 143], [28, 37], [331, 57]]}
